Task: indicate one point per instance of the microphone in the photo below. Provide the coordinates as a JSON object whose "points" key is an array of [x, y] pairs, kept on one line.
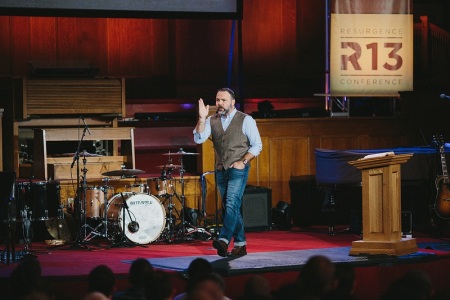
{"points": [[85, 125], [444, 96]]}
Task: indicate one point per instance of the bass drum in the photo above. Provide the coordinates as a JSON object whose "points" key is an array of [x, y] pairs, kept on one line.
{"points": [[145, 219]]}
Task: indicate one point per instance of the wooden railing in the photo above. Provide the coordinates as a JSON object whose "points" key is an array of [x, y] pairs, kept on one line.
{"points": [[432, 52]]}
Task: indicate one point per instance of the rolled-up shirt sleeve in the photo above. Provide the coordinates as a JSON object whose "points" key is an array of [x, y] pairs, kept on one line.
{"points": [[201, 137], [250, 129]]}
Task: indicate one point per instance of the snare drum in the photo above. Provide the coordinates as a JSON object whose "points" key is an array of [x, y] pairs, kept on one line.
{"points": [[145, 219], [159, 187]]}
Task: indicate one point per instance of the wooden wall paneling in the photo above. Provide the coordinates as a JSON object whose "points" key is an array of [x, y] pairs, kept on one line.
{"points": [[311, 39], [289, 144], [66, 37], [114, 47], [130, 47], [43, 38], [340, 142], [260, 167], [262, 44], [201, 57], [92, 42], [5, 47], [20, 45], [262, 28], [380, 141], [289, 156], [289, 63]]}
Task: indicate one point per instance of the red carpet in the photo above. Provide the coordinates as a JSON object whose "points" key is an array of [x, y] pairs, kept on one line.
{"points": [[68, 266]]}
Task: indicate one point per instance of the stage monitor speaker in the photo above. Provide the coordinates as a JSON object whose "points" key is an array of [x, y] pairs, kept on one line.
{"points": [[257, 208]]}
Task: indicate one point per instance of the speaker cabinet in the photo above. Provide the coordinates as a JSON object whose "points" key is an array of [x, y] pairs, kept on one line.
{"points": [[257, 208]]}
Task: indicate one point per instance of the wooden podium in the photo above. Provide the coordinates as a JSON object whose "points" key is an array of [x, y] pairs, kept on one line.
{"points": [[381, 207]]}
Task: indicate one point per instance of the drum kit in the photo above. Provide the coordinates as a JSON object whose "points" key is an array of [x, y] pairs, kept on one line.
{"points": [[142, 214], [32, 204]]}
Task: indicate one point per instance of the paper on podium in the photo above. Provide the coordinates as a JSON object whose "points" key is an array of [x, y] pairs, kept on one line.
{"points": [[382, 154]]}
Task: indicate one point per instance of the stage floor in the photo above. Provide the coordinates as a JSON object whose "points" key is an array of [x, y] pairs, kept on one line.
{"points": [[277, 255]]}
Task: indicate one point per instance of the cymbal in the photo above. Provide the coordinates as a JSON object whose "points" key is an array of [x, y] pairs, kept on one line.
{"points": [[123, 172], [83, 153], [181, 152], [169, 166]]}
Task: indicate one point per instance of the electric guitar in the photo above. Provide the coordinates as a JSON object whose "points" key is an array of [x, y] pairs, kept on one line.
{"points": [[442, 202]]}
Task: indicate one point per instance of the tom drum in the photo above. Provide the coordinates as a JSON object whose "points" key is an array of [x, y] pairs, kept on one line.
{"points": [[95, 198], [40, 200], [159, 187]]}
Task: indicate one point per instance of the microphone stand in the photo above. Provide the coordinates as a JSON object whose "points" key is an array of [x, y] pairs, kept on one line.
{"points": [[125, 242], [80, 208]]}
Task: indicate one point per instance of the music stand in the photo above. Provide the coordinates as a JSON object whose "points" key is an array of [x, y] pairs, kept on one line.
{"points": [[8, 213]]}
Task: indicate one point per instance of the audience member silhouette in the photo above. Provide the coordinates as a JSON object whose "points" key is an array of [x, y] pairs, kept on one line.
{"points": [[208, 287], [101, 279], [159, 286], [315, 281], [26, 281], [256, 288], [96, 296], [198, 268], [137, 277], [345, 283], [414, 285]]}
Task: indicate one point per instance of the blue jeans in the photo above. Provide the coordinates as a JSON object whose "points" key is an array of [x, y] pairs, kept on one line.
{"points": [[231, 184]]}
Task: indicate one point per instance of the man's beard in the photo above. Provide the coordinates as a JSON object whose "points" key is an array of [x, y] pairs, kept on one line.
{"points": [[222, 112]]}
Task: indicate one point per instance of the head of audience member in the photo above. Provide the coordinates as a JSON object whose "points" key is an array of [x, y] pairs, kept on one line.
{"points": [[138, 272], [159, 286], [415, 284], [95, 296], [257, 288], [198, 268], [346, 281], [208, 287], [27, 282], [317, 277], [101, 279]]}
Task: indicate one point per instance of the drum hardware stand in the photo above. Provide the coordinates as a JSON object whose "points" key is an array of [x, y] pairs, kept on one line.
{"points": [[80, 208], [9, 254], [182, 199], [133, 226], [26, 227], [215, 230], [170, 227]]}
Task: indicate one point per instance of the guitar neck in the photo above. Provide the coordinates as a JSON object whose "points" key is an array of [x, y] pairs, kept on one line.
{"points": [[444, 165]]}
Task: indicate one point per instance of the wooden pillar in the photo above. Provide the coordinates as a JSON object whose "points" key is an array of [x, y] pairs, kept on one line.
{"points": [[381, 207]]}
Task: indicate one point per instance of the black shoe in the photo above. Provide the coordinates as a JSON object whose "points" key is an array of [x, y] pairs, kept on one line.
{"points": [[221, 247], [238, 251]]}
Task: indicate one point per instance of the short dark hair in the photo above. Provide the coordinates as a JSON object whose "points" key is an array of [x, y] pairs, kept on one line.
{"points": [[229, 91], [139, 268], [101, 279]]}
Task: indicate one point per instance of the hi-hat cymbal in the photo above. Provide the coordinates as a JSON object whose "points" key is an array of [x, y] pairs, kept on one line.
{"points": [[169, 166], [181, 152], [123, 172]]}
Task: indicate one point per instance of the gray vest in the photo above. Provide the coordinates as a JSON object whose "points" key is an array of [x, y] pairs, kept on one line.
{"points": [[229, 145]]}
